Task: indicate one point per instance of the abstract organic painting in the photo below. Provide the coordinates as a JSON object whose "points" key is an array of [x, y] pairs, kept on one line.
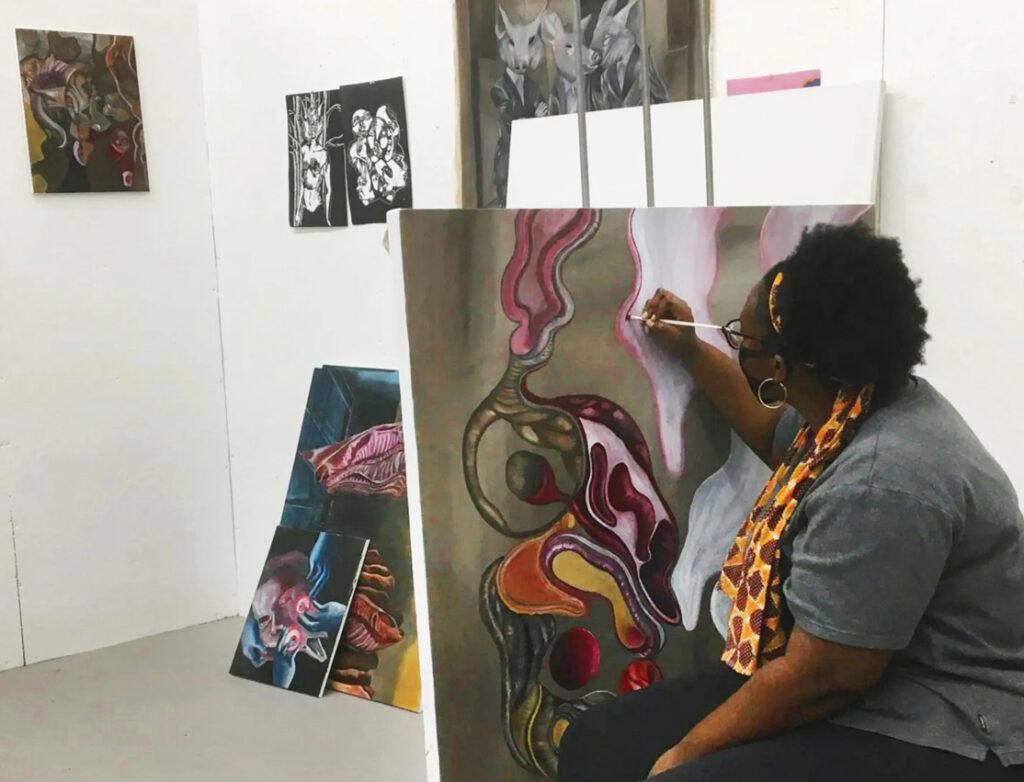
{"points": [[519, 61], [348, 477], [578, 492], [379, 171], [316, 160], [295, 620], [83, 113]]}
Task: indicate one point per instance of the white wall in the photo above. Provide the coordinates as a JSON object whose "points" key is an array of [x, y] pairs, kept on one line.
{"points": [[952, 169], [113, 454], [113, 451], [293, 299], [841, 37], [953, 191]]}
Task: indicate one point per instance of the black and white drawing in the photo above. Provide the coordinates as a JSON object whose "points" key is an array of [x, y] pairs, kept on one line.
{"points": [[316, 160], [530, 67], [379, 172], [616, 39]]}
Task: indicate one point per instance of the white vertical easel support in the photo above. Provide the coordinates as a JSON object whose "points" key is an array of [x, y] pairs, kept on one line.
{"points": [[581, 107], [645, 81], [704, 23]]}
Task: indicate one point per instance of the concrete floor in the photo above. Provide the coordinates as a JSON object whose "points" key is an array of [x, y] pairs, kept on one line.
{"points": [[165, 708]]}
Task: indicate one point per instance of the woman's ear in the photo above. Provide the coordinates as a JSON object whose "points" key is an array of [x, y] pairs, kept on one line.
{"points": [[781, 369]]}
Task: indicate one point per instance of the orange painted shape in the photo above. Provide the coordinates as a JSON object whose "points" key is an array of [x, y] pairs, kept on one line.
{"points": [[525, 588]]}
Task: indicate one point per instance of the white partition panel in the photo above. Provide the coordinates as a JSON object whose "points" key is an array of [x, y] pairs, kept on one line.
{"points": [[843, 38], [544, 163], [295, 298], [615, 163], [953, 192], [811, 146], [677, 141], [112, 421]]}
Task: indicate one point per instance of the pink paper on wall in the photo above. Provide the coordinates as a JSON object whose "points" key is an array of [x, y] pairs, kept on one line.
{"points": [[773, 82]]}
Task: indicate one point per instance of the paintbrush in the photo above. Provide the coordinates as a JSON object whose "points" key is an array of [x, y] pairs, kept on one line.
{"points": [[674, 322]]}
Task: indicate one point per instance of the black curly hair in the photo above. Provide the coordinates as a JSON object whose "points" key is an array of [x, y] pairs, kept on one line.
{"points": [[849, 306]]}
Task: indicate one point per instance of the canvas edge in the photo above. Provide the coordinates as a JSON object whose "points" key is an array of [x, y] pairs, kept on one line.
{"points": [[348, 609], [416, 531]]}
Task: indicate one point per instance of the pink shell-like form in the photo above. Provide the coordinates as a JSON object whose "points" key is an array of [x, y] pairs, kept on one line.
{"points": [[533, 294], [674, 249]]}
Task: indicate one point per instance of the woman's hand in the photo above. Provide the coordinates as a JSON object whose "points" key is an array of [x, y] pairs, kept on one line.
{"points": [[667, 306], [677, 755]]}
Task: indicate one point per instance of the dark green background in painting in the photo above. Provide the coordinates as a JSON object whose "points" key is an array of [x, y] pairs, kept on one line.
{"points": [[342, 402]]}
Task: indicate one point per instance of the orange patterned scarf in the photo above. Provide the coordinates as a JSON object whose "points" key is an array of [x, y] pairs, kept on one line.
{"points": [[750, 575]]}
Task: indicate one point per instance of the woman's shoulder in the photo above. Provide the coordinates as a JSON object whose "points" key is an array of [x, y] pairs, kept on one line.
{"points": [[920, 446]]}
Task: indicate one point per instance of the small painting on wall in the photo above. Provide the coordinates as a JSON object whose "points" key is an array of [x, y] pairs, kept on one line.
{"points": [[303, 597], [83, 114], [348, 477], [316, 160], [379, 171]]}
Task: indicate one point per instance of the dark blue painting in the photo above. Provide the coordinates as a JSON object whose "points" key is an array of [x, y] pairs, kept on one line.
{"points": [[342, 402], [348, 477]]}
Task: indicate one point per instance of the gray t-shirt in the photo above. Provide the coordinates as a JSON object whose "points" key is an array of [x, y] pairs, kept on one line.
{"points": [[912, 540]]}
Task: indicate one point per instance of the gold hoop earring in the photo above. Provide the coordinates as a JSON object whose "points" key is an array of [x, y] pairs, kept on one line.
{"points": [[772, 405]]}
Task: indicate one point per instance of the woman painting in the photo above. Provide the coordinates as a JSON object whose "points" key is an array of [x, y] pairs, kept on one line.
{"points": [[873, 602]]}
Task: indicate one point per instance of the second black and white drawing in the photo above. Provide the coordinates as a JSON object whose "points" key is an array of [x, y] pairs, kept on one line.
{"points": [[348, 146], [379, 171]]}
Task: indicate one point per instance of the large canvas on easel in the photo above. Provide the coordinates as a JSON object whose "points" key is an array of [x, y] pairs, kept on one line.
{"points": [[578, 494]]}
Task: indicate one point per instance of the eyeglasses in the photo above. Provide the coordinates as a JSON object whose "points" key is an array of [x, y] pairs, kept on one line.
{"points": [[736, 338], [731, 332]]}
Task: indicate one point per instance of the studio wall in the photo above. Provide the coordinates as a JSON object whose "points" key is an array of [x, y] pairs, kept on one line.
{"points": [[841, 37], [952, 168], [113, 447], [294, 299], [114, 454], [953, 191]]}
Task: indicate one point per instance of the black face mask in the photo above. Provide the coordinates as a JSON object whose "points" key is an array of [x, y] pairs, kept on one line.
{"points": [[745, 354]]}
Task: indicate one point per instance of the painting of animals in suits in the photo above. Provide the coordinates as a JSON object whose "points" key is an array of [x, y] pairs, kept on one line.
{"points": [[520, 61]]}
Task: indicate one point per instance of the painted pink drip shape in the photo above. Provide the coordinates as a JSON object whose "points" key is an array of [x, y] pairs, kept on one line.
{"points": [[674, 249], [532, 292], [371, 462]]}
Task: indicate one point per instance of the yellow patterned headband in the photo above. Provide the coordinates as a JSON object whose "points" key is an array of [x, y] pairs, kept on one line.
{"points": [[773, 309]]}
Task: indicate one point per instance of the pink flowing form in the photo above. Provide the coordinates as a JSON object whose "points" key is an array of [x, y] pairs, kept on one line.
{"points": [[622, 525], [371, 462], [533, 294], [723, 500], [674, 249]]}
